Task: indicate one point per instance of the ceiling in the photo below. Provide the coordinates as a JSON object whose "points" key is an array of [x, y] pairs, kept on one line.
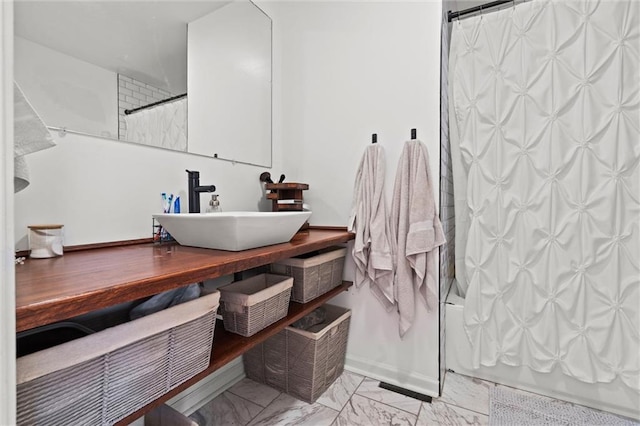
{"points": [[146, 40]]}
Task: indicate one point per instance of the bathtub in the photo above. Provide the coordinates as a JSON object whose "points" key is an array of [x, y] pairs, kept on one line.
{"points": [[614, 397]]}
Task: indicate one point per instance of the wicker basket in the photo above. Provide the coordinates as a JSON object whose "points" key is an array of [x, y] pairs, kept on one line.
{"points": [[250, 305], [104, 377], [300, 363], [313, 276]]}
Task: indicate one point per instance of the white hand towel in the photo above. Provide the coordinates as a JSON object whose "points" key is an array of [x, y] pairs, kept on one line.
{"points": [[369, 222], [29, 135], [20, 174], [415, 231]]}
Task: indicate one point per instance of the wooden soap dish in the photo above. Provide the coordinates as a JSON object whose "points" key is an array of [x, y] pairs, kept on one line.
{"points": [[286, 196]]}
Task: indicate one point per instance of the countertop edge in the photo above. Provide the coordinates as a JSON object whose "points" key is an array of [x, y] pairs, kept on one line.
{"points": [[53, 308]]}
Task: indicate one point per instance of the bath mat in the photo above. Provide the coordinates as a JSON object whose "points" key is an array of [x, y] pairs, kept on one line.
{"points": [[512, 408]]}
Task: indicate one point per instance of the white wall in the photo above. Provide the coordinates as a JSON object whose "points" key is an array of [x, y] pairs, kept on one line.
{"points": [[104, 190], [65, 91], [350, 69]]}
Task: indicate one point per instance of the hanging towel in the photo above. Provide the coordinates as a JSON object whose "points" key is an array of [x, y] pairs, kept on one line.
{"points": [[20, 174], [415, 231], [369, 223], [29, 135]]}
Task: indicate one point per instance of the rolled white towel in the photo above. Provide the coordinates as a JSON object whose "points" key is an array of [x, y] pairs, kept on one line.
{"points": [[30, 135]]}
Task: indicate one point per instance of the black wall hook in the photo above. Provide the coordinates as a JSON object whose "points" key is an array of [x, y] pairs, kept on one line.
{"points": [[374, 138], [413, 134]]}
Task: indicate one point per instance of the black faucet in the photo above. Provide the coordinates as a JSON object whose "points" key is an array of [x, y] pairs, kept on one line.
{"points": [[195, 189]]}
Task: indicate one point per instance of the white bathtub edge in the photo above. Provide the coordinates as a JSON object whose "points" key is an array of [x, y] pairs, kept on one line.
{"points": [[613, 397]]}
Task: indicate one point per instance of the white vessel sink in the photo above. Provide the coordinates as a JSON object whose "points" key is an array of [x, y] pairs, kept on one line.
{"points": [[232, 231]]}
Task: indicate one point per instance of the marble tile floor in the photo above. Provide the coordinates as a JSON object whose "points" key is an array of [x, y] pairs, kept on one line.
{"points": [[353, 400]]}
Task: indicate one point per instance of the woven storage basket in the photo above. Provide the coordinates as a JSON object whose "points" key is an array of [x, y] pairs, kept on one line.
{"points": [[301, 363], [313, 276], [250, 305], [104, 377]]}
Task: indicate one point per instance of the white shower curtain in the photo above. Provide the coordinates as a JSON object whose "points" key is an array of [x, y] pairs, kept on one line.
{"points": [[163, 125], [545, 131]]}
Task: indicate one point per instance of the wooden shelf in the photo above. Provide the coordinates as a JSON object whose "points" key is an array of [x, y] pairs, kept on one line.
{"points": [[228, 346], [51, 290]]}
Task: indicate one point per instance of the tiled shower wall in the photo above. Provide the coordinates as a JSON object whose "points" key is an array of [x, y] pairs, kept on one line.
{"points": [[133, 93], [447, 214]]}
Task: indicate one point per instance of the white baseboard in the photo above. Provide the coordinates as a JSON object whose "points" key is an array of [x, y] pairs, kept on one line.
{"points": [[191, 399], [213, 385], [392, 375]]}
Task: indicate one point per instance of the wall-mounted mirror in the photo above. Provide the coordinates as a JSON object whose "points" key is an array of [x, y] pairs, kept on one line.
{"points": [[122, 70]]}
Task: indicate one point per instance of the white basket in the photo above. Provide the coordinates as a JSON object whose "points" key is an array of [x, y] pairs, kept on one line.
{"points": [[251, 305], [302, 363], [313, 276], [102, 378]]}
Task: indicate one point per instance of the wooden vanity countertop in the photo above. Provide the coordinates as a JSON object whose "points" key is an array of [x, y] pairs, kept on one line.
{"points": [[51, 290]]}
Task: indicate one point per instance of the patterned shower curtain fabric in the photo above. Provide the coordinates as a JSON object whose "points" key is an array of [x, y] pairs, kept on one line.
{"points": [[163, 126], [545, 131]]}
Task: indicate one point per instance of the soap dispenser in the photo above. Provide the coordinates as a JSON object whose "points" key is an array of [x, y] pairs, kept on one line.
{"points": [[214, 204]]}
